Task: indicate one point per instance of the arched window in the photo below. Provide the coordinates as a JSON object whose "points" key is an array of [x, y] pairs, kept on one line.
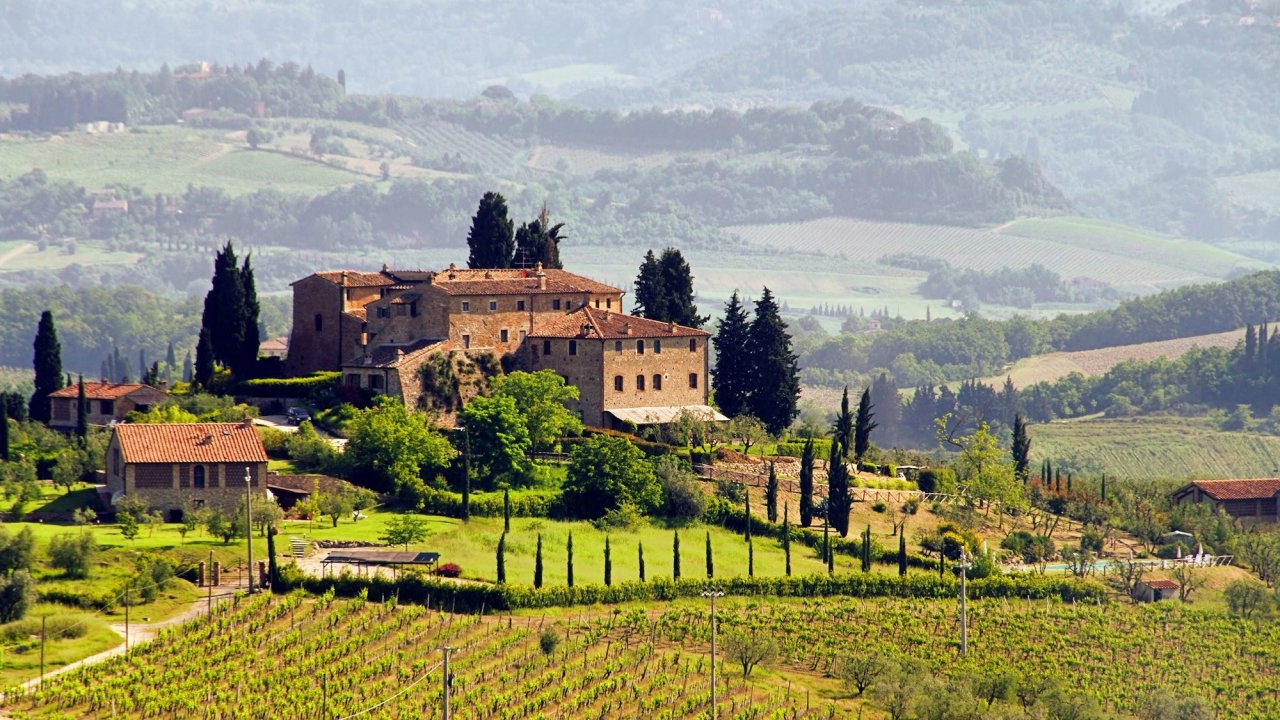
{"points": [[657, 382], [197, 477], [617, 383], [640, 382]]}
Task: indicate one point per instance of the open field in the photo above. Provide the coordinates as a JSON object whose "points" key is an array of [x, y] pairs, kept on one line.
{"points": [[1131, 260], [1053, 366], [1142, 448], [18, 255], [1256, 191]]}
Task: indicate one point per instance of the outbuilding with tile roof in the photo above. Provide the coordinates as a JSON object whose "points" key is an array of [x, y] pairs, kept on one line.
{"points": [[1254, 499], [105, 402]]}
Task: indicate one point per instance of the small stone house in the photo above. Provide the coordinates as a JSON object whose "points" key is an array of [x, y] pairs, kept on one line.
{"points": [[1155, 590], [105, 402], [172, 466], [1256, 499]]}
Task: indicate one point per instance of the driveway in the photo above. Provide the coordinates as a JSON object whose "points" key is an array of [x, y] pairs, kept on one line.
{"points": [[281, 423]]}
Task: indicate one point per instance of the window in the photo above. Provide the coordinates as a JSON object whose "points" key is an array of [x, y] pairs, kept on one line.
{"points": [[573, 347], [546, 347], [640, 383], [319, 322], [384, 312], [597, 302], [617, 383], [520, 305], [493, 306], [657, 382], [522, 335], [657, 346], [375, 382], [503, 335], [413, 309], [197, 477], [608, 303], [617, 346], [466, 342], [353, 379], [466, 306], [693, 344], [693, 381], [555, 304], [108, 406], [639, 347]]}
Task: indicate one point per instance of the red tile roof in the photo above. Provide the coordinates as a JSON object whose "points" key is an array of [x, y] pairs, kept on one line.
{"points": [[102, 391], [190, 442], [1250, 489], [457, 281], [1161, 584], [352, 278], [589, 322]]}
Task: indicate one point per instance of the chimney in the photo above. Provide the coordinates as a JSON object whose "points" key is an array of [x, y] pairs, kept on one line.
{"points": [[626, 329], [453, 271], [344, 278], [488, 274], [542, 278], [671, 326]]}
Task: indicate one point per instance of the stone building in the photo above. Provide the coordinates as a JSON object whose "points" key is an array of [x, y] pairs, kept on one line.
{"points": [[186, 464], [105, 402], [1256, 499]]}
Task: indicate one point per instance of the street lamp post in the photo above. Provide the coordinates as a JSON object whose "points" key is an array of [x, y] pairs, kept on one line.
{"points": [[248, 520], [963, 566], [713, 592]]}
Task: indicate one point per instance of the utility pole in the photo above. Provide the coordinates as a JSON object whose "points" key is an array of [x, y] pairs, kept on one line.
{"points": [[963, 566], [713, 592], [248, 520], [448, 680]]}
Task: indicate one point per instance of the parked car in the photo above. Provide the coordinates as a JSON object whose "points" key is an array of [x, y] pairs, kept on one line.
{"points": [[297, 415]]}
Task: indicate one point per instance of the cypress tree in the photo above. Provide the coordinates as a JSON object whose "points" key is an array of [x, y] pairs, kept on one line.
{"points": [[826, 550], [82, 411], [537, 564], [651, 295], [188, 368], [677, 286], [608, 562], [902, 554], [775, 386], [751, 558], [1021, 449], [675, 556], [838, 500], [640, 558], [865, 424], [466, 475], [732, 374], [273, 567], [746, 510], [246, 360], [786, 537], [47, 362], [711, 568], [502, 560], [569, 559], [4, 434], [1070, 478], [203, 377], [491, 238], [842, 430], [506, 510], [170, 362], [866, 550], [1104, 487], [806, 483], [224, 310], [771, 495]]}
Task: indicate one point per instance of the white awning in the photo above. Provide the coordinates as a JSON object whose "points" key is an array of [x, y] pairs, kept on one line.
{"points": [[662, 415]]}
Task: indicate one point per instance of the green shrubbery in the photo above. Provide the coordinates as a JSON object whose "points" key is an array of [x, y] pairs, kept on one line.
{"points": [[535, 503], [299, 387]]}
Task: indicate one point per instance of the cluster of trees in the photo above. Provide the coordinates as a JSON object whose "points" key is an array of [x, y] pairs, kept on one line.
{"points": [[229, 324], [755, 370], [664, 290], [1021, 288], [494, 244]]}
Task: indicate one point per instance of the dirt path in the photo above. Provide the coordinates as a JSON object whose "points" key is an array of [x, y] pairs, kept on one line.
{"points": [[14, 253]]}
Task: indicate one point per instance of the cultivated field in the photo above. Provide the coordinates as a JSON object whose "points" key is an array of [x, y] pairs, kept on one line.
{"points": [[1132, 260], [1258, 191], [494, 154], [22, 255], [1144, 448]]}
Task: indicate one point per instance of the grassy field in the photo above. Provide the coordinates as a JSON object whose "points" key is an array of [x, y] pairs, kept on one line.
{"points": [[17, 255], [70, 636], [1140, 448], [1132, 260], [1257, 191], [1053, 366]]}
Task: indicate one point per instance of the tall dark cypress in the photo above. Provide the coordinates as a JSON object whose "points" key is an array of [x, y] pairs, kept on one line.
{"points": [[47, 362], [902, 554], [775, 376], [677, 285], [751, 558], [4, 434], [188, 368], [250, 338], [843, 428], [537, 564], [806, 484], [224, 310], [608, 562], [827, 555], [203, 373], [1021, 449], [732, 373], [885, 394], [675, 556], [838, 499], [863, 426], [640, 559], [491, 238], [502, 559], [170, 362], [786, 536], [711, 566], [506, 511], [466, 477], [651, 294], [1104, 487], [771, 495], [82, 411], [569, 559]]}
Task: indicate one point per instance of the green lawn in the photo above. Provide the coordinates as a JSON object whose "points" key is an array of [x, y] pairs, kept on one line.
{"points": [[20, 658], [18, 255]]}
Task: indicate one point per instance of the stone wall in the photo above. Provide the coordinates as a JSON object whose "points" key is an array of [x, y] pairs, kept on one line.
{"points": [[580, 363], [322, 335], [168, 486]]}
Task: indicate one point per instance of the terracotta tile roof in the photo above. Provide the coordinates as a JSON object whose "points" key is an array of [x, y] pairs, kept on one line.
{"points": [[353, 278], [457, 281], [392, 355], [281, 344], [102, 391], [589, 322], [361, 314], [190, 442], [406, 298], [1161, 584], [1250, 489]]}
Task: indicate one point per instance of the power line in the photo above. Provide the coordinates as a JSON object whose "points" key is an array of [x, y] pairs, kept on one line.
{"points": [[393, 696]]}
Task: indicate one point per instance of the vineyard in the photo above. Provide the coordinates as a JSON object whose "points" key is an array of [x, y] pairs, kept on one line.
{"points": [[270, 657], [494, 154], [1072, 250]]}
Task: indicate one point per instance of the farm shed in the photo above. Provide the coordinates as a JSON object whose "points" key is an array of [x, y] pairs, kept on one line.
{"points": [[1155, 590], [393, 559], [1256, 499]]}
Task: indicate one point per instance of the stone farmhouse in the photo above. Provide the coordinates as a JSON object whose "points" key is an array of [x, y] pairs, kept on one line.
{"points": [[1255, 500], [175, 465], [382, 330], [105, 402]]}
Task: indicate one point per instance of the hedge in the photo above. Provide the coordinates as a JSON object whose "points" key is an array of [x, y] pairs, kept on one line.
{"points": [[483, 597], [936, 480], [539, 503], [821, 449], [299, 387]]}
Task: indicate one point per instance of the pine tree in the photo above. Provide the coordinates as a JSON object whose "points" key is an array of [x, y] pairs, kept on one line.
{"points": [[651, 295], [224, 310], [506, 509], [203, 376], [843, 429], [711, 567], [170, 362], [806, 484], [677, 285], [640, 559], [502, 559], [537, 564], [538, 242], [608, 562], [1021, 449], [47, 362], [569, 560], [838, 499], [786, 536], [246, 359], [675, 556], [491, 238], [82, 411], [1250, 346], [902, 554], [732, 374], [771, 495], [775, 389], [863, 426]]}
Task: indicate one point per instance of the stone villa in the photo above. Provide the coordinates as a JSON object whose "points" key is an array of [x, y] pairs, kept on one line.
{"points": [[381, 329], [105, 402]]}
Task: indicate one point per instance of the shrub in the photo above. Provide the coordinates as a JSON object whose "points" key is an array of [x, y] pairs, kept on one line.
{"points": [[73, 553], [526, 503], [448, 570], [17, 593], [936, 480], [683, 499], [549, 641], [879, 506], [274, 442], [299, 387], [870, 468], [624, 517]]}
